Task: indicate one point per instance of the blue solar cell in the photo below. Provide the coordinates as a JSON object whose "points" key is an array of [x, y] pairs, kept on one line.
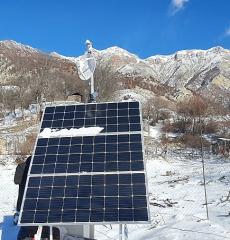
{"points": [[136, 146], [46, 181], [38, 159], [97, 202], [70, 203], [135, 156], [87, 148], [111, 190], [59, 108], [123, 128], [84, 191], [75, 149], [140, 214], [123, 112], [71, 180], [42, 204], [56, 203], [123, 105], [134, 112], [53, 141], [57, 124], [125, 190], [111, 167], [111, 128], [124, 166], [32, 193], [65, 141], [51, 150], [70, 108], [98, 180], [49, 109], [83, 215], [139, 202], [50, 159], [55, 215], [86, 167], [111, 202], [123, 147], [134, 105], [61, 158], [123, 120], [139, 189], [135, 127], [27, 216], [80, 108], [125, 215], [69, 115], [42, 142], [97, 190], [36, 169], [58, 116], [138, 178], [71, 192], [85, 180], [45, 192], [111, 215], [40, 217], [46, 124], [61, 168], [59, 181], [83, 203], [125, 179], [96, 216], [123, 138], [111, 179], [48, 168], [124, 156], [30, 204], [69, 216], [73, 168], [112, 113], [137, 166]]}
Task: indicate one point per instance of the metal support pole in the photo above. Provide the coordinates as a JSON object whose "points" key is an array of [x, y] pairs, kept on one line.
{"points": [[38, 235], [51, 233], [120, 231], [203, 172]]}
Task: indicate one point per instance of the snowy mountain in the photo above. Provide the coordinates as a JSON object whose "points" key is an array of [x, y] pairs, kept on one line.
{"points": [[175, 76]]}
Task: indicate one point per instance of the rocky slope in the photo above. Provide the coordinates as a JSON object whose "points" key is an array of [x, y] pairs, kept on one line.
{"points": [[175, 76]]}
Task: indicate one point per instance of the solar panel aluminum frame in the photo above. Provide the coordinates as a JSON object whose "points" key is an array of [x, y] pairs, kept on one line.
{"points": [[61, 174]]}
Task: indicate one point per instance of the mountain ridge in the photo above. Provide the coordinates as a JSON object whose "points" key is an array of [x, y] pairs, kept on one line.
{"points": [[175, 76]]}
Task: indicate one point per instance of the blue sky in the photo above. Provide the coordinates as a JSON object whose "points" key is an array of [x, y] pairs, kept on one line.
{"points": [[143, 27]]}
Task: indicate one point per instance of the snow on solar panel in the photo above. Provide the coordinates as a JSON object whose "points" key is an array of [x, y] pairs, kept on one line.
{"points": [[93, 179]]}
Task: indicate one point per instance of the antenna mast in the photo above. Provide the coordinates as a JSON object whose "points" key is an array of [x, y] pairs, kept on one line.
{"points": [[89, 53]]}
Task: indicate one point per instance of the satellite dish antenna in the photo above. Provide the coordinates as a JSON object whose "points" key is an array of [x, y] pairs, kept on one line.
{"points": [[86, 67]]}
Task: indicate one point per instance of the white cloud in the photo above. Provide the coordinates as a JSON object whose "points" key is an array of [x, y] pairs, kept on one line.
{"points": [[227, 32], [177, 5]]}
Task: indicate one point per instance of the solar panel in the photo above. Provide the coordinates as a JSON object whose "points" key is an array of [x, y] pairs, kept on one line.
{"points": [[113, 117], [121, 195], [88, 179]]}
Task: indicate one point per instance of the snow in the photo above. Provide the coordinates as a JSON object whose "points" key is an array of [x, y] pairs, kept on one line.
{"points": [[174, 181], [89, 131], [186, 218]]}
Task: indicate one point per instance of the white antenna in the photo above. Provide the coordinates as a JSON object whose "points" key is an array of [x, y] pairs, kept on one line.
{"points": [[86, 66]]}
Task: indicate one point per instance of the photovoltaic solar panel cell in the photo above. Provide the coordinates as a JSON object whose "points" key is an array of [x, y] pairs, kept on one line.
{"points": [[88, 153], [113, 117], [88, 178], [123, 195]]}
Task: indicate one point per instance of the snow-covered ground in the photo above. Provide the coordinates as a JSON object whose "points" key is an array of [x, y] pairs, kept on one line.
{"points": [[176, 195], [177, 202]]}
